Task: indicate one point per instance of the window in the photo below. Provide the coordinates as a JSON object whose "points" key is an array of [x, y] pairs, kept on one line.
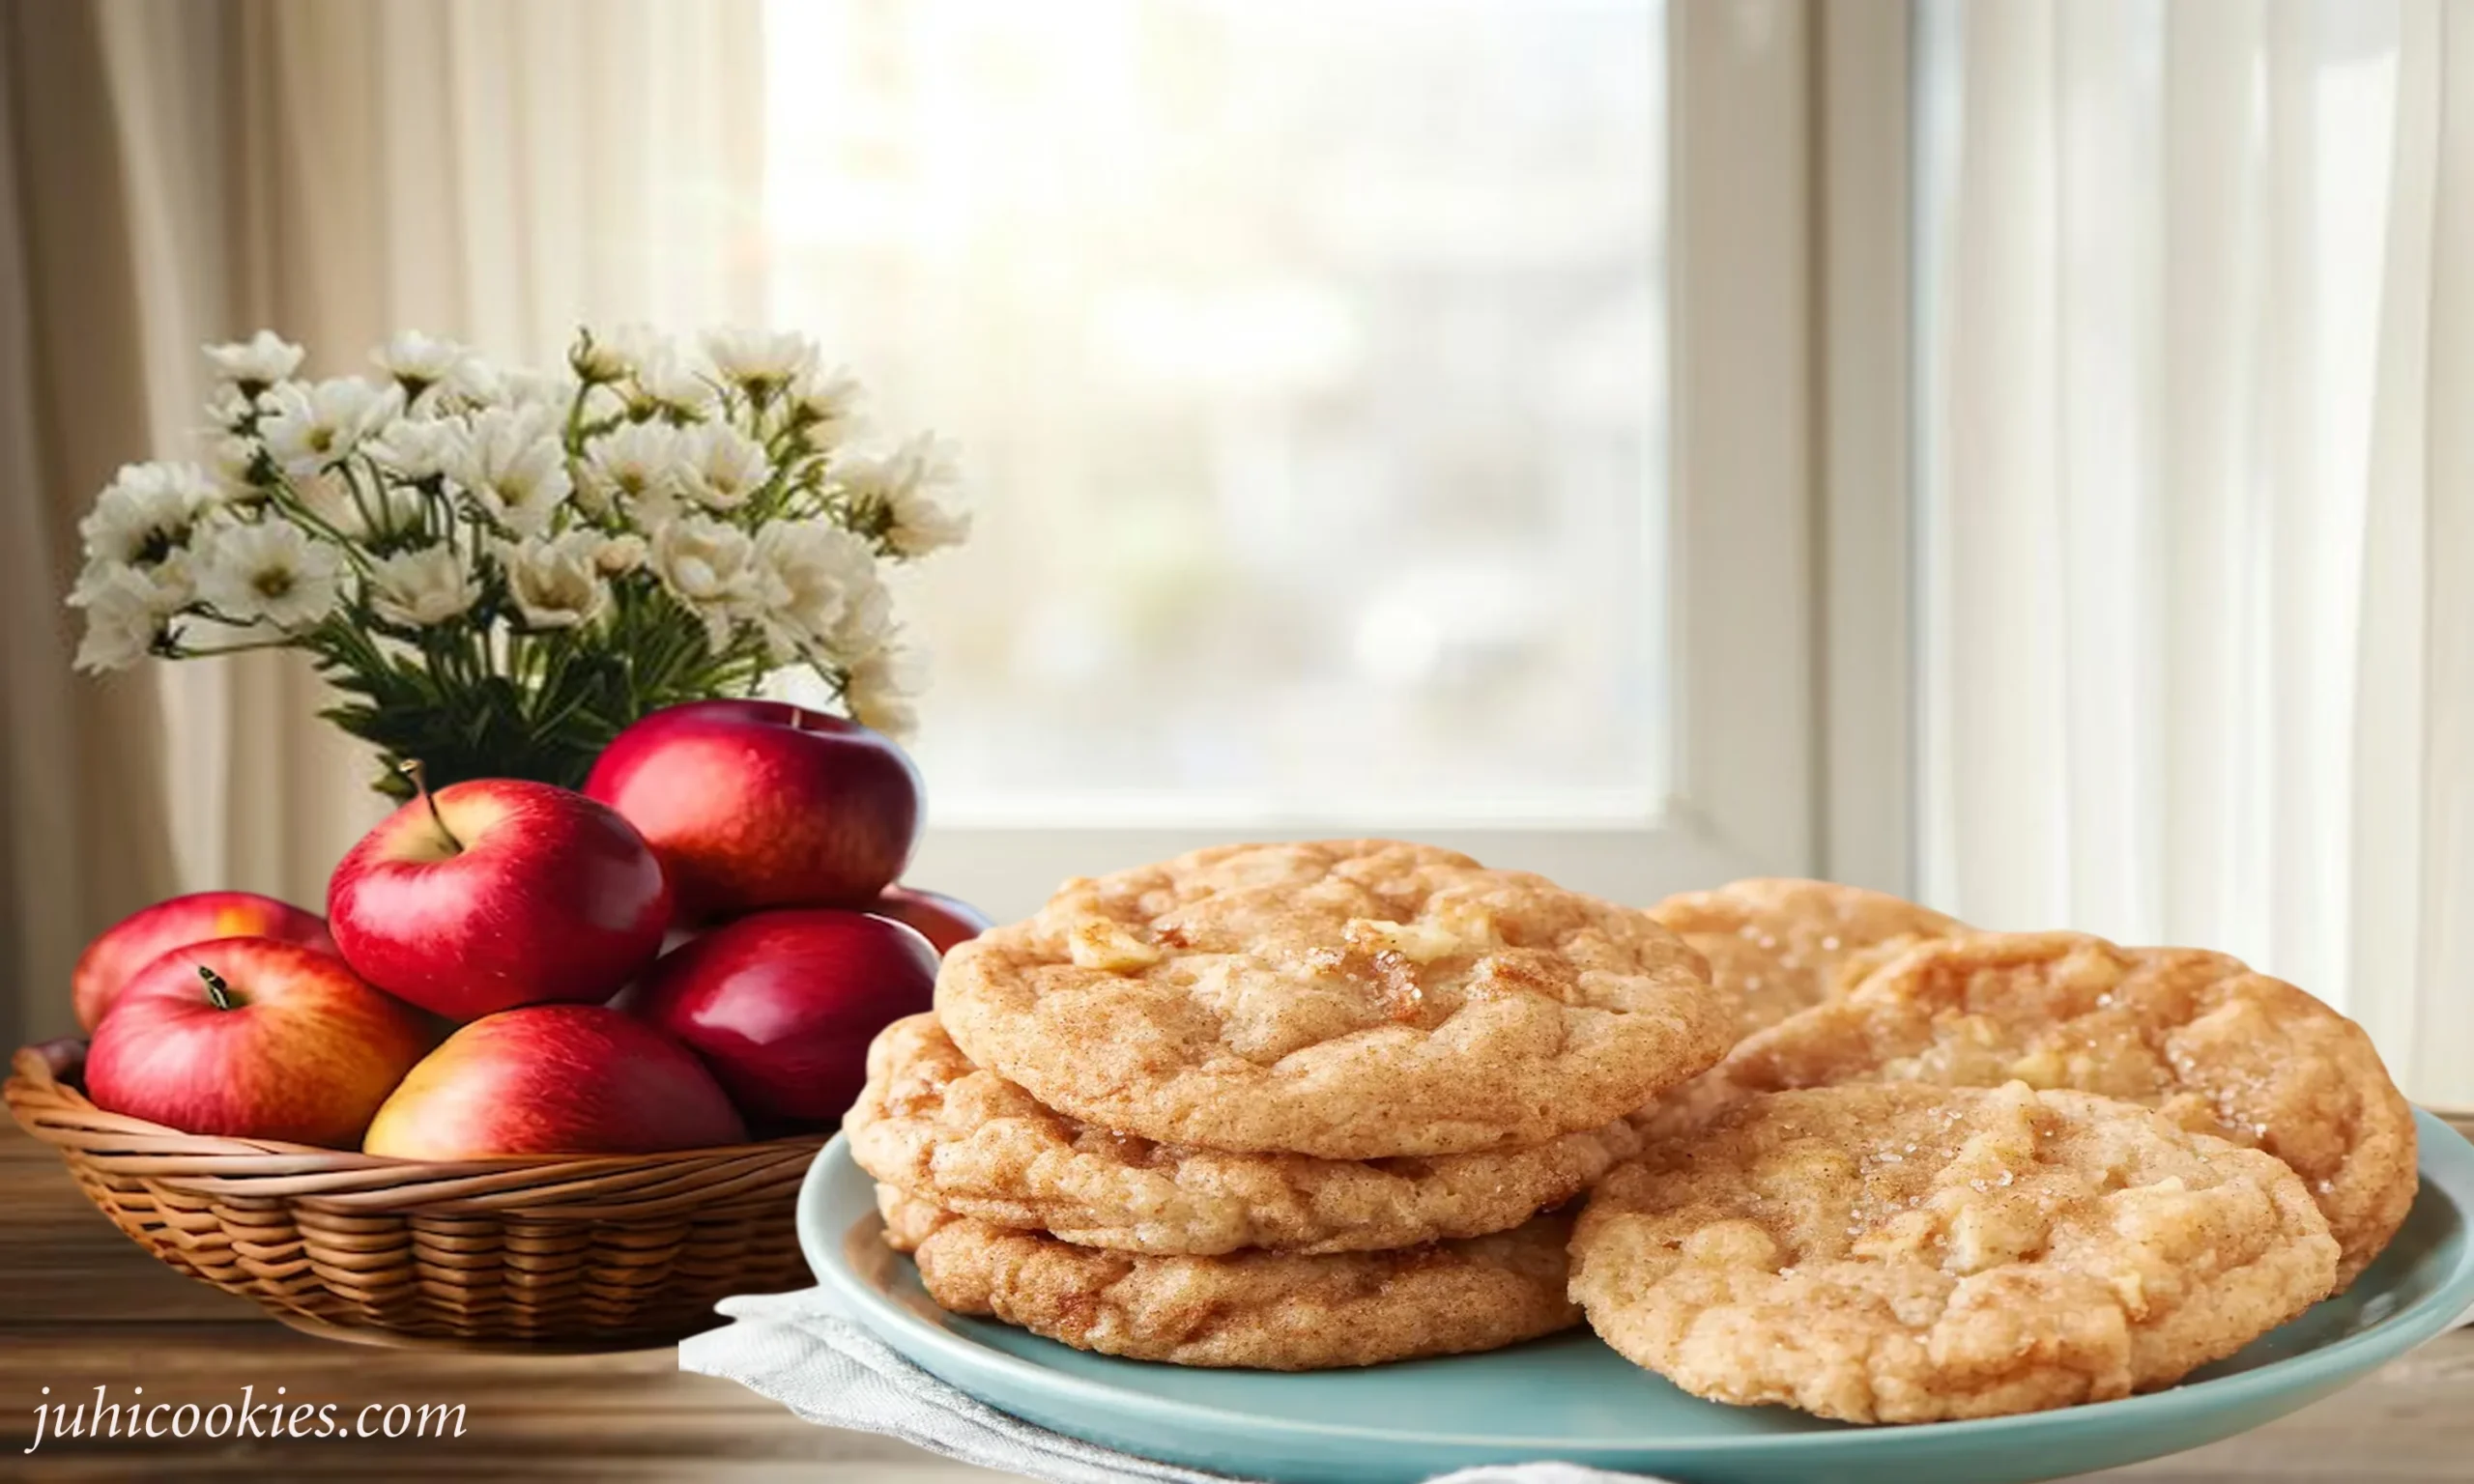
{"points": [[1309, 360], [1311, 363]]}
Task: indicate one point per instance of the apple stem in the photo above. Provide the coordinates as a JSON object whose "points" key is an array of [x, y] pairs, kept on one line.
{"points": [[414, 770], [217, 992]]}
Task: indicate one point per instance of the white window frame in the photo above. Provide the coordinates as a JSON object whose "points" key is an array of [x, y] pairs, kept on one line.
{"points": [[1866, 497], [1755, 720]]}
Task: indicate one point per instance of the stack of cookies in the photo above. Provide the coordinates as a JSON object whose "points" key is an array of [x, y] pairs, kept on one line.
{"points": [[1294, 1106], [1280, 1106]]}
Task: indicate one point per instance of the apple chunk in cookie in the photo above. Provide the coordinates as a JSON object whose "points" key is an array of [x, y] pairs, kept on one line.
{"points": [[1899, 1253]]}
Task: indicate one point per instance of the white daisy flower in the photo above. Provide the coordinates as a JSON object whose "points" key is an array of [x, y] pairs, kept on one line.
{"points": [[552, 391], [420, 362], [827, 403], [233, 463], [670, 385], [879, 690], [711, 568], [147, 512], [257, 362], [616, 354], [268, 570], [721, 465], [126, 611], [635, 465], [118, 635], [232, 456], [808, 574], [231, 408], [308, 427], [169, 585], [422, 587], [866, 624], [514, 464], [475, 383], [761, 362], [898, 492], [620, 555], [415, 449], [555, 581]]}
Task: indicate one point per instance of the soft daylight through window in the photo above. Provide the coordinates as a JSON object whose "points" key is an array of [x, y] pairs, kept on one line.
{"points": [[1309, 365]]}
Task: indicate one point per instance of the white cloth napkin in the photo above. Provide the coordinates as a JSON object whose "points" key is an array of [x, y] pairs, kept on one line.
{"points": [[799, 1350]]}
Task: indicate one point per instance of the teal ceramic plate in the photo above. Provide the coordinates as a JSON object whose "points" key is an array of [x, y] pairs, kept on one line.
{"points": [[1571, 1398]]}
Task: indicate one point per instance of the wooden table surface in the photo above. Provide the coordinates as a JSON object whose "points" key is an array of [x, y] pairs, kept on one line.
{"points": [[84, 1307]]}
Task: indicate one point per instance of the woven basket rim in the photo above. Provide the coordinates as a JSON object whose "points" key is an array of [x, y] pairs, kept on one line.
{"points": [[564, 1253], [46, 1104]]}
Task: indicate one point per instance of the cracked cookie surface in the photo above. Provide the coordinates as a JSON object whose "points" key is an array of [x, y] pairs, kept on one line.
{"points": [[1347, 999], [1272, 1311], [931, 1122], [1901, 1254], [2195, 1034], [1777, 944]]}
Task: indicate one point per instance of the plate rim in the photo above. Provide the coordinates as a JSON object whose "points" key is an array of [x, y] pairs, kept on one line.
{"points": [[2451, 1171]]}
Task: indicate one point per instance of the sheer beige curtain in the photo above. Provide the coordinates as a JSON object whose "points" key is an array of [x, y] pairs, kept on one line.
{"points": [[335, 169], [2199, 520], [79, 797]]}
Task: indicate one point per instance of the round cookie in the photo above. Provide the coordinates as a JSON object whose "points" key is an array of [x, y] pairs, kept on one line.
{"points": [[972, 1142], [1777, 944], [1271, 1311], [1350, 999], [2195, 1034], [1913, 1254]]}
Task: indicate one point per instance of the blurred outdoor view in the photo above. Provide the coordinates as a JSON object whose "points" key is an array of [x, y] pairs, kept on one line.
{"points": [[1309, 366]]}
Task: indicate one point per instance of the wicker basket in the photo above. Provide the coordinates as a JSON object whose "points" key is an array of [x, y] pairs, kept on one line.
{"points": [[569, 1253]]}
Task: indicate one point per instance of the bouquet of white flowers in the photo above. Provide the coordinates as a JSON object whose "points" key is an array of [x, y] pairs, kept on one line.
{"points": [[500, 568]]}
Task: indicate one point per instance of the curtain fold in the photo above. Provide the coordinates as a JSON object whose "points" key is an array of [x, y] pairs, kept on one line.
{"points": [[494, 171], [80, 792], [2198, 521]]}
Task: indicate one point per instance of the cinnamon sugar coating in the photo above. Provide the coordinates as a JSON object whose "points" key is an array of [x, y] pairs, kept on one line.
{"points": [[1345, 999], [1902, 1253]]}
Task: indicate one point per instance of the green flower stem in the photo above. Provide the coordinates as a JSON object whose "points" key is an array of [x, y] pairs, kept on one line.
{"points": [[209, 651], [359, 500], [288, 499]]}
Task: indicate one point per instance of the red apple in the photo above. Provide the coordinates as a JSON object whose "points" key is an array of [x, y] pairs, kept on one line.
{"points": [[756, 803], [253, 1038], [497, 892], [944, 920], [782, 1005], [150, 933], [553, 1080]]}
